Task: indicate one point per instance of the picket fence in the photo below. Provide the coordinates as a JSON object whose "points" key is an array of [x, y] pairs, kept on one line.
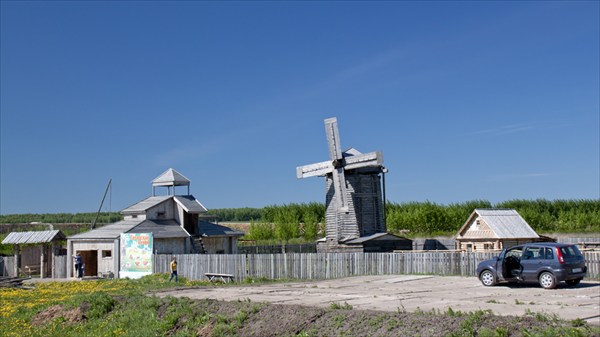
{"points": [[311, 266]]}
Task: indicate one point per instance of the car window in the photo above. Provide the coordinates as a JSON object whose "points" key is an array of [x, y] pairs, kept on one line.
{"points": [[549, 254], [570, 252], [533, 253], [516, 252]]}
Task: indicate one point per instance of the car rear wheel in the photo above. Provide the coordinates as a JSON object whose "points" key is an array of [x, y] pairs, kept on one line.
{"points": [[573, 282], [487, 278], [547, 280]]}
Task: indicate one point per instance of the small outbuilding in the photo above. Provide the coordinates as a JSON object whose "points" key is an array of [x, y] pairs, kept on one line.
{"points": [[374, 243], [495, 229], [36, 252], [218, 239]]}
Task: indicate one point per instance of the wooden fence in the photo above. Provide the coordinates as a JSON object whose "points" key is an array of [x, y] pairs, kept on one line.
{"points": [[335, 265], [319, 265]]}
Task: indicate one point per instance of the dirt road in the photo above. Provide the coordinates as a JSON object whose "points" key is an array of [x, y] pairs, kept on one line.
{"points": [[413, 293]]}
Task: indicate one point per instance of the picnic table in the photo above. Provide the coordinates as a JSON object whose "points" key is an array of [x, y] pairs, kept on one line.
{"points": [[219, 277]]}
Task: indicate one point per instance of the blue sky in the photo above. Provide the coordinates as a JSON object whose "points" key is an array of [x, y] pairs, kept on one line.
{"points": [[466, 100]]}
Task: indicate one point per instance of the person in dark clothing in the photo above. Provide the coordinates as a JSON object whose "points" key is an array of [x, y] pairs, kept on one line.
{"points": [[78, 265]]}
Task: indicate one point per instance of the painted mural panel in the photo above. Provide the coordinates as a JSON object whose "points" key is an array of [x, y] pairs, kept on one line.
{"points": [[136, 254]]}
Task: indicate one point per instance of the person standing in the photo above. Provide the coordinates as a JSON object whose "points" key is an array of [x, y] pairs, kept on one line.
{"points": [[173, 266], [78, 265]]}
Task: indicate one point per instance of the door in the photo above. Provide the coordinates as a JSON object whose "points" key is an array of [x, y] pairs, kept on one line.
{"points": [[90, 262], [532, 261], [508, 264]]}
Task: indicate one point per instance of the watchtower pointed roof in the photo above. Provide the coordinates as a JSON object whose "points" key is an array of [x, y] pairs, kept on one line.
{"points": [[170, 178]]}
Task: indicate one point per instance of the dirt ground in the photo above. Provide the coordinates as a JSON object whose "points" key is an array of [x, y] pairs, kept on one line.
{"points": [[409, 293], [374, 306]]}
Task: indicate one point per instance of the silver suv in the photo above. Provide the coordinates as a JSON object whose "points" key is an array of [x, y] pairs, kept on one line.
{"points": [[545, 263]]}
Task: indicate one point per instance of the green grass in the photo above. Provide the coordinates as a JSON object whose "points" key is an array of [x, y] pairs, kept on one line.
{"points": [[128, 308]]}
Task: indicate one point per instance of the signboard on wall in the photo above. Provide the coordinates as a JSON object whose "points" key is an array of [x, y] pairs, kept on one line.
{"points": [[136, 255]]}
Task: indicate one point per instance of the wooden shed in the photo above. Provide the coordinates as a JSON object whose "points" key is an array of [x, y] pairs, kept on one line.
{"points": [[374, 243], [494, 229], [36, 252], [218, 239]]}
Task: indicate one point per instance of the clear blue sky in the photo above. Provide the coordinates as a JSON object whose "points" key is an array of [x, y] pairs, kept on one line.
{"points": [[466, 100]]}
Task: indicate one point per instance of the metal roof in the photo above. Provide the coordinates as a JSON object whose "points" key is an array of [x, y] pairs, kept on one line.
{"points": [[18, 238], [212, 229], [190, 204], [161, 229], [146, 204], [505, 223], [112, 231], [171, 178]]}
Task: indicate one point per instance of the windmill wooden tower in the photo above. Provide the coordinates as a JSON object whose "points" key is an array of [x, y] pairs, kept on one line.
{"points": [[354, 199]]}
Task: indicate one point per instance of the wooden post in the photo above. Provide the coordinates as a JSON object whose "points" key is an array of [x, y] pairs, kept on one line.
{"points": [[53, 260], [42, 260], [17, 261]]}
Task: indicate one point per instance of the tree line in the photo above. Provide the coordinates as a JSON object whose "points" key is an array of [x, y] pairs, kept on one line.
{"points": [[305, 220], [286, 222], [75, 218]]}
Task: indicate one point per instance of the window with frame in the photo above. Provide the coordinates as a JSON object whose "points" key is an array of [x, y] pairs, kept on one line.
{"points": [[534, 253], [106, 254], [549, 254]]}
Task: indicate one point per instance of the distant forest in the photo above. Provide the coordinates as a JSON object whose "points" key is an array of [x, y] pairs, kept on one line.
{"points": [[288, 221]]}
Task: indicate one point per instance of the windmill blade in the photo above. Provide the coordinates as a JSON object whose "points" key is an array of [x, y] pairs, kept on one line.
{"points": [[333, 139], [337, 162], [371, 159], [339, 184], [312, 170]]}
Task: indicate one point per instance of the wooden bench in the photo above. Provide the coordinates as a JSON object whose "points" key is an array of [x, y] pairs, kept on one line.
{"points": [[106, 274], [32, 270], [219, 277]]}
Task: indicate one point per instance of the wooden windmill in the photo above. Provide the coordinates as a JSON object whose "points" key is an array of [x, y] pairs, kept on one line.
{"points": [[354, 201]]}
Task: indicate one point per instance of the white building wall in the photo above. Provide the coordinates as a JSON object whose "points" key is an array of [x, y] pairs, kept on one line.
{"points": [[105, 253]]}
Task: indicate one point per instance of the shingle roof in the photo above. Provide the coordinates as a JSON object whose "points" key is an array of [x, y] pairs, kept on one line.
{"points": [[146, 204], [112, 231], [212, 229], [505, 223], [161, 229], [375, 236], [17, 238], [190, 204], [171, 178]]}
